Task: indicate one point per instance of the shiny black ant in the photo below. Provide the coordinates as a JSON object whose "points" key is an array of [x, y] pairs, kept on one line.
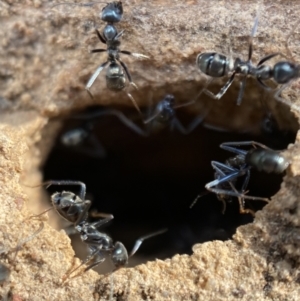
{"points": [[117, 71], [218, 65], [164, 114], [74, 208], [82, 139], [115, 76], [262, 159]]}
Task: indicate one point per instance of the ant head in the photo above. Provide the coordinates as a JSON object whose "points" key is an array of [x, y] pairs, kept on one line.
{"points": [[170, 99], [68, 205], [63, 199], [165, 109], [112, 12], [285, 72], [119, 255]]}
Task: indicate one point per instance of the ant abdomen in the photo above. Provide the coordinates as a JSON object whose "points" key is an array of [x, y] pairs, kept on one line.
{"points": [[214, 64], [115, 77], [266, 160]]}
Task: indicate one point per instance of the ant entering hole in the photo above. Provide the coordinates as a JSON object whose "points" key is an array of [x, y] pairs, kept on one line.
{"points": [[149, 183]]}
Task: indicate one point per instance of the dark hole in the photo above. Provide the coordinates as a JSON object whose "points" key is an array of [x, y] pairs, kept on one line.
{"points": [[149, 183]]}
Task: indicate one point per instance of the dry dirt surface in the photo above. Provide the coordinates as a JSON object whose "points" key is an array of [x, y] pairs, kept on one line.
{"points": [[44, 66]]}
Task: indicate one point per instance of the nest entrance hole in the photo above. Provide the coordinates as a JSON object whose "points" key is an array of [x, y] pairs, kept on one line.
{"points": [[149, 183]]}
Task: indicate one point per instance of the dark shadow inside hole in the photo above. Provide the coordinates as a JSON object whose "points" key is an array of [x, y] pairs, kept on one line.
{"points": [[149, 183]]}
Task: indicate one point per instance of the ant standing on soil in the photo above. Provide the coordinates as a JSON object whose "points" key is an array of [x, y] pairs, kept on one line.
{"points": [[218, 65], [117, 71], [115, 77], [74, 208]]}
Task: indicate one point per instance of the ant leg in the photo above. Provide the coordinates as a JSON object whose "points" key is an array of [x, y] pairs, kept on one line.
{"points": [[206, 91], [128, 122], [268, 57], [240, 199], [106, 218], [198, 120], [40, 214], [131, 83], [82, 216], [133, 101], [89, 258], [223, 89], [233, 149], [23, 242], [151, 115], [253, 32], [198, 197], [93, 78], [227, 178], [263, 84], [151, 118], [126, 71], [252, 143], [125, 120], [223, 168], [191, 126], [61, 182], [242, 89], [68, 183], [100, 37], [98, 50], [236, 194], [137, 55], [141, 239], [78, 4]]}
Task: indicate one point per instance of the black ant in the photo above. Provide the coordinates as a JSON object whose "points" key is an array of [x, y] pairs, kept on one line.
{"points": [[262, 159], [117, 70], [164, 114], [218, 65], [115, 77], [82, 139], [74, 208]]}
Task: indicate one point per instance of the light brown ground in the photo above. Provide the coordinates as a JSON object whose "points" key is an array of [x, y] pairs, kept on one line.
{"points": [[44, 66]]}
